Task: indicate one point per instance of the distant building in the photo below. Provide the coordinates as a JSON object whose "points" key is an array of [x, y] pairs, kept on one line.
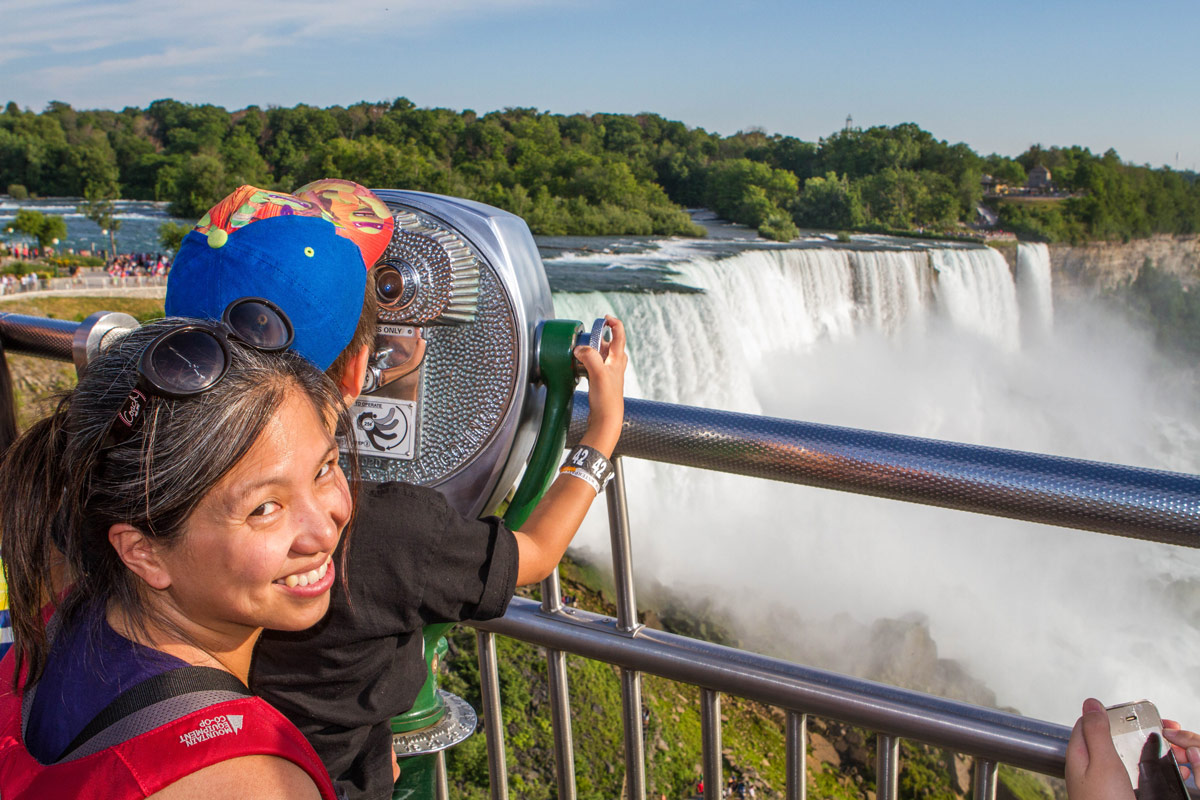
{"points": [[993, 187], [1039, 179]]}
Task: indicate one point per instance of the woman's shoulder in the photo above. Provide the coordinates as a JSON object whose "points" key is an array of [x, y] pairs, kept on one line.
{"points": [[248, 777]]}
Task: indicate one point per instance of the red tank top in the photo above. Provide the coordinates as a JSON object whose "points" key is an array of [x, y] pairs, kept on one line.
{"points": [[150, 761]]}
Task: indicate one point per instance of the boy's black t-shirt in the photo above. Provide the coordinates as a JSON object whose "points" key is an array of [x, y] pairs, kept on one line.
{"points": [[411, 560]]}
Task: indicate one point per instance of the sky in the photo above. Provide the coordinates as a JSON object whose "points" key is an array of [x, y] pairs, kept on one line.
{"points": [[999, 76]]}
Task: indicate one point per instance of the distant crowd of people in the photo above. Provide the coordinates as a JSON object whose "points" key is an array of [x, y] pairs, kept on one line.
{"points": [[121, 270], [129, 265], [11, 284]]}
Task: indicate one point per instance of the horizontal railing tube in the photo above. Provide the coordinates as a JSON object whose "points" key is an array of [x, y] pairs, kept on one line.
{"points": [[1127, 501], [984, 732], [38, 336]]}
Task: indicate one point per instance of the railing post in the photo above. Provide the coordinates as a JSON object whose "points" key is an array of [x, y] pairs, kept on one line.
{"points": [[493, 720], [441, 780], [797, 755], [631, 680], [560, 698], [985, 780], [622, 551], [887, 767], [710, 737]]}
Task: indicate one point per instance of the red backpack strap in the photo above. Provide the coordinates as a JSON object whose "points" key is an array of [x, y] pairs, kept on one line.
{"points": [[247, 726], [149, 704]]}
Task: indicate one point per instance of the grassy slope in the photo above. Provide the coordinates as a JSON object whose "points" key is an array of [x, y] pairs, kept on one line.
{"points": [[841, 759]]}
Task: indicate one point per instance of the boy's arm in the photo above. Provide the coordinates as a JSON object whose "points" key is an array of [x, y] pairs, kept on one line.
{"points": [[544, 537]]}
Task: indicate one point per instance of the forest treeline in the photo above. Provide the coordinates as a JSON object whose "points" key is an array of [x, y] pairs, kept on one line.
{"points": [[582, 174]]}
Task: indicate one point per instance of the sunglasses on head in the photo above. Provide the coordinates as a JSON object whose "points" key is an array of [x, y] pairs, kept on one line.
{"points": [[192, 358]]}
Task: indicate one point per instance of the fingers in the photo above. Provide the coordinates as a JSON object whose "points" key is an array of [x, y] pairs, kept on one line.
{"points": [[1187, 740], [1096, 732], [1077, 755], [1186, 744], [618, 331], [591, 359], [616, 345], [612, 349], [1184, 754]]}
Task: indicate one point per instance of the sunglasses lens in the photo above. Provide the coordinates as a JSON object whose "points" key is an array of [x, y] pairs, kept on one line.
{"points": [[188, 361], [259, 325]]}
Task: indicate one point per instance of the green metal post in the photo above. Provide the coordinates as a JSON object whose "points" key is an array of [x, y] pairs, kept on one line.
{"points": [[557, 372]]}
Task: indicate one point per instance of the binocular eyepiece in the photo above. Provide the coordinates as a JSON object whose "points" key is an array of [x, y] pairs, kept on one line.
{"points": [[396, 284]]}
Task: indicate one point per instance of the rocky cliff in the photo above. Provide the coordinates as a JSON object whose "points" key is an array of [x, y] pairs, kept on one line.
{"points": [[1106, 266]]}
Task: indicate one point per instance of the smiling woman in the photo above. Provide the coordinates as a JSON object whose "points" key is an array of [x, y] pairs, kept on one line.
{"points": [[184, 496]]}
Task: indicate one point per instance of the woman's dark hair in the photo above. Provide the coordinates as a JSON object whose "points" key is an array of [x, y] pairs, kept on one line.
{"points": [[63, 488]]}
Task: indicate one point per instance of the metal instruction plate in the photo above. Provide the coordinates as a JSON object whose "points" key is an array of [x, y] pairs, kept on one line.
{"points": [[385, 427]]}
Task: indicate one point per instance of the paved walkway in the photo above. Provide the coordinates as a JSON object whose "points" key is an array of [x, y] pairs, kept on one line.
{"points": [[97, 291]]}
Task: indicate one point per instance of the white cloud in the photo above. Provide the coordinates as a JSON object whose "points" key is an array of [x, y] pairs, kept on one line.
{"points": [[75, 25], [61, 44]]}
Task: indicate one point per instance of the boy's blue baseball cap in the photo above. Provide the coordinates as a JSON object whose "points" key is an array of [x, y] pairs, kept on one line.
{"points": [[287, 249]]}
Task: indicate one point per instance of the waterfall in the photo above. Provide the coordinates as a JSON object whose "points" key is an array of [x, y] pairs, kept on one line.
{"points": [[754, 305], [927, 341], [1034, 290], [977, 293]]}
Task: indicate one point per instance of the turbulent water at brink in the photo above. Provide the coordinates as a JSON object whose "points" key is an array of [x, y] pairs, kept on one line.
{"points": [[934, 341]]}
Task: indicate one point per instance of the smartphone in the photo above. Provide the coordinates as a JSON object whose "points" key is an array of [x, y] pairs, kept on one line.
{"points": [[1137, 735]]}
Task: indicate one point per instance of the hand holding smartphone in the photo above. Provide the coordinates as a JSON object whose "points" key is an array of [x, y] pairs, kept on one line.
{"points": [[1137, 735]]}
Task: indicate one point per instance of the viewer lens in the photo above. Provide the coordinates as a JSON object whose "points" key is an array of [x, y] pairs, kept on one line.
{"points": [[259, 325], [187, 362], [389, 285]]}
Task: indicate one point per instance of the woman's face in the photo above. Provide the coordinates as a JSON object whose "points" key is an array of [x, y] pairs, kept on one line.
{"points": [[257, 551]]}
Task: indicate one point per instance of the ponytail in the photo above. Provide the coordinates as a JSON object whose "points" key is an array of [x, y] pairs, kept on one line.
{"points": [[31, 485], [8, 405]]}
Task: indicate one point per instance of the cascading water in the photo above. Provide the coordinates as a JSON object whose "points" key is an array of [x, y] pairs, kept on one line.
{"points": [[975, 290], [1034, 290], [928, 341]]}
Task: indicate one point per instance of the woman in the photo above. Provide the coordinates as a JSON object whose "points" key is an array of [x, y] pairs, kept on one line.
{"points": [[191, 484]]}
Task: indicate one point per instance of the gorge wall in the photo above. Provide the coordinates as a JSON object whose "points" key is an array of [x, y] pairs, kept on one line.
{"points": [[1105, 266]]}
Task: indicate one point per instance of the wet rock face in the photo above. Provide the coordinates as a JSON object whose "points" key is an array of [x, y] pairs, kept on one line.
{"points": [[903, 653], [1105, 266]]}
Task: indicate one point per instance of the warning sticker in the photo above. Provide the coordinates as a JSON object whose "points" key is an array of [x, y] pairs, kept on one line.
{"points": [[385, 427]]}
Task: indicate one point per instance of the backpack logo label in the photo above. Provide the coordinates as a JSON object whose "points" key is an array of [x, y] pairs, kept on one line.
{"points": [[212, 728]]}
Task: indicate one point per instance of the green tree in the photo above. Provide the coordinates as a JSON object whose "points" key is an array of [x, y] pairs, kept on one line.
{"points": [[98, 173], [43, 227], [170, 235], [197, 185], [751, 193], [829, 202]]}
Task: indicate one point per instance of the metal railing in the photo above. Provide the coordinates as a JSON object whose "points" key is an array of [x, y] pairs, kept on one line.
{"points": [[1146, 504], [84, 284]]}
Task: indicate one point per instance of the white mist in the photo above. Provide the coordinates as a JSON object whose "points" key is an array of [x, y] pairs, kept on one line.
{"points": [[1044, 616]]}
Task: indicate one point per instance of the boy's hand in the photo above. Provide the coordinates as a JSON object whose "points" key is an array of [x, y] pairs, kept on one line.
{"points": [[1094, 771], [606, 389]]}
